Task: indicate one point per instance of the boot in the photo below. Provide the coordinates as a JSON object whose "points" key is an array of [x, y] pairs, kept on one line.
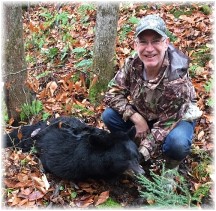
{"points": [[172, 164], [169, 172]]}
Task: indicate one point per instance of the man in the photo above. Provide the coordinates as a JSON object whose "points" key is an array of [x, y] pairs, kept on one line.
{"points": [[154, 93]]}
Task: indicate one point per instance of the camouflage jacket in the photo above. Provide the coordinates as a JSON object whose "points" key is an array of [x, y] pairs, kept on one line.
{"points": [[164, 99]]}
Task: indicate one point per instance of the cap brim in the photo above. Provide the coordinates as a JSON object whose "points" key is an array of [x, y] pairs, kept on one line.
{"points": [[151, 28]]}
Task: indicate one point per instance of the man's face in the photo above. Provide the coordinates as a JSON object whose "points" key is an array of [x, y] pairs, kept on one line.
{"points": [[151, 48]]}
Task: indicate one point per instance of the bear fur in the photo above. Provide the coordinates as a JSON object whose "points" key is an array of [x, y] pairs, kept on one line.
{"points": [[73, 150]]}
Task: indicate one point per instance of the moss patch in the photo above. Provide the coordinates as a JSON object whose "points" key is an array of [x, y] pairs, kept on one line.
{"points": [[109, 203]]}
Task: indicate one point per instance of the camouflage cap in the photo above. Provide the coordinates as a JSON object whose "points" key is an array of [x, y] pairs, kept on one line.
{"points": [[152, 22]]}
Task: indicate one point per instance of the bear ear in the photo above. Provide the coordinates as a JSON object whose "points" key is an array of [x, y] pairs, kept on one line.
{"points": [[131, 133]]}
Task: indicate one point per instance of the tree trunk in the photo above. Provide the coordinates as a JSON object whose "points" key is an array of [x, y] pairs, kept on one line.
{"points": [[14, 73], [104, 48]]}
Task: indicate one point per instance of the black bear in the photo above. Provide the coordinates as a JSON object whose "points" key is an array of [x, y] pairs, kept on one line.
{"points": [[73, 150]]}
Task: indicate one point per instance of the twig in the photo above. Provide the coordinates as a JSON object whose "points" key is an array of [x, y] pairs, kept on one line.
{"points": [[32, 68], [55, 194]]}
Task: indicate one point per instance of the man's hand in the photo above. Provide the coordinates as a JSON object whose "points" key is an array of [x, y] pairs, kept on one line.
{"points": [[141, 126]]}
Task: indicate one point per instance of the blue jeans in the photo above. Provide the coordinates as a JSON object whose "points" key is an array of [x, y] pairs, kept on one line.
{"points": [[176, 145]]}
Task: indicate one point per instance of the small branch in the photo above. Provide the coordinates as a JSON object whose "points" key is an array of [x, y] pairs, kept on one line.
{"points": [[32, 68], [55, 194]]}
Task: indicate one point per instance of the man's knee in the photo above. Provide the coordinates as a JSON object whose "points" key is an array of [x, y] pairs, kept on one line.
{"points": [[114, 122], [177, 147], [107, 115], [178, 142]]}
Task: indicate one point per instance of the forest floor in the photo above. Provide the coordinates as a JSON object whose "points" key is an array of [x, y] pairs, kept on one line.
{"points": [[59, 41]]}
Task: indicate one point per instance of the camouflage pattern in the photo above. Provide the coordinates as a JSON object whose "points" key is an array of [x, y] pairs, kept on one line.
{"points": [[164, 99], [153, 22]]}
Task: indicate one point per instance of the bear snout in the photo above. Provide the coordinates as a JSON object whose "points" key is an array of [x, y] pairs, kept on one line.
{"points": [[135, 167]]}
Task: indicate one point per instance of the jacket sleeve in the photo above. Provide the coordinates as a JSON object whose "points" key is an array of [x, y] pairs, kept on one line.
{"points": [[118, 91]]}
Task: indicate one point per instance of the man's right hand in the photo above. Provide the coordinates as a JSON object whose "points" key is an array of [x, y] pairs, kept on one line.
{"points": [[141, 125]]}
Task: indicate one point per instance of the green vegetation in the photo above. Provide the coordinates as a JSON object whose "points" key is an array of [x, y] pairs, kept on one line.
{"points": [[61, 187], [42, 40], [158, 196], [202, 191], [209, 85], [81, 110], [109, 203], [127, 28], [86, 7], [206, 9], [33, 109], [205, 160], [84, 64], [133, 20], [79, 52], [172, 37], [184, 9], [210, 102], [9, 191], [29, 110], [83, 11], [44, 74], [203, 54], [73, 195], [124, 31], [187, 9], [36, 41], [154, 191], [30, 59], [178, 13], [193, 70], [33, 150], [24, 162], [51, 53]]}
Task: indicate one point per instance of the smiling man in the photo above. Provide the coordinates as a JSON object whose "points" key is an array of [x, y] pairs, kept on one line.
{"points": [[154, 93]]}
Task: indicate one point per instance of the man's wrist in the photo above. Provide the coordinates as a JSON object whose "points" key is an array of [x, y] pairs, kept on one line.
{"points": [[128, 113], [134, 117]]}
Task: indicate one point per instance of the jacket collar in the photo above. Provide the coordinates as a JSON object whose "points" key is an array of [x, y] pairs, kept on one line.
{"points": [[179, 63]]}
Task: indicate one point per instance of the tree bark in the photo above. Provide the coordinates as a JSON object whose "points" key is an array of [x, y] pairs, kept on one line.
{"points": [[14, 73], [104, 48]]}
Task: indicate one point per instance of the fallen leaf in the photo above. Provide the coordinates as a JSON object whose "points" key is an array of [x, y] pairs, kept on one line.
{"points": [[22, 177], [94, 81], [35, 195], [24, 201], [38, 181], [46, 183], [23, 184], [19, 134], [15, 201], [102, 198], [9, 183], [197, 185], [150, 201], [52, 86], [11, 121], [26, 191], [41, 189], [84, 201], [200, 135]]}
